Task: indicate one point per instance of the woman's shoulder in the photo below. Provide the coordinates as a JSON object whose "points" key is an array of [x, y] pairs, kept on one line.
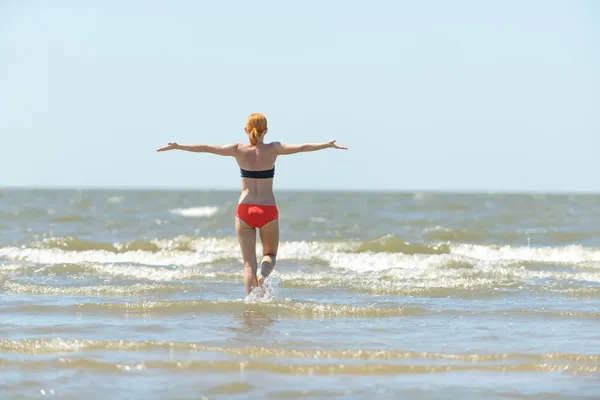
{"points": [[273, 145]]}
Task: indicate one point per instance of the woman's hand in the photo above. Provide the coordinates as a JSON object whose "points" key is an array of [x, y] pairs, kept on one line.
{"points": [[170, 146], [332, 145]]}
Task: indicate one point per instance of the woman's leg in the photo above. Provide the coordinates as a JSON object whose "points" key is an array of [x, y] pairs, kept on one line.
{"points": [[247, 238], [269, 237]]}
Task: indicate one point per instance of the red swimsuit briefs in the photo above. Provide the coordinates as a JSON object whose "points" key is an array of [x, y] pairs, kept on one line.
{"points": [[256, 215]]}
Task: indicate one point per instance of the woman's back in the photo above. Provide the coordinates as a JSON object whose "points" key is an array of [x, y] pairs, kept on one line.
{"points": [[256, 158], [260, 157]]}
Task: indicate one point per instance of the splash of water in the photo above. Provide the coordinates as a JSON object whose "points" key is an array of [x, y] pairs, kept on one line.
{"points": [[264, 294]]}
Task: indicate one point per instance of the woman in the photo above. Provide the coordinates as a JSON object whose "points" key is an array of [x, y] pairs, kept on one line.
{"points": [[256, 208]]}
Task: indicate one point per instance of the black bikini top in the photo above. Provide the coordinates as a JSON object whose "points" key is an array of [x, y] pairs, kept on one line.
{"points": [[265, 174]]}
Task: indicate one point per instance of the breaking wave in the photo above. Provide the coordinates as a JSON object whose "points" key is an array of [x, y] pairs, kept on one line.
{"points": [[196, 212]]}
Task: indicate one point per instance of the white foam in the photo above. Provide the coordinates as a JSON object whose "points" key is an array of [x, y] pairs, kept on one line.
{"points": [[196, 212], [152, 274], [205, 251], [568, 254], [392, 272], [7, 268], [266, 294], [479, 261], [58, 256], [114, 199], [227, 246]]}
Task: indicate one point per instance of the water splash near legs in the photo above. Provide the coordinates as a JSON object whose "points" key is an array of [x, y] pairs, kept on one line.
{"points": [[265, 292]]}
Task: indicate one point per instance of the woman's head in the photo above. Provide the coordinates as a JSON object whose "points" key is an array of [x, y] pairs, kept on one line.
{"points": [[256, 127]]}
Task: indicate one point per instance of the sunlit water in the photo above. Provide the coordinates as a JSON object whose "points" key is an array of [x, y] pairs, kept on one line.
{"points": [[139, 294]]}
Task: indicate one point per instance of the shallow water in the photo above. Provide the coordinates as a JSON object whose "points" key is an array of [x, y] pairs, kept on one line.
{"points": [[414, 295]]}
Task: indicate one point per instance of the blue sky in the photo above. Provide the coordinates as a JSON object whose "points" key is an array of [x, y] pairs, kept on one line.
{"points": [[428, 95]]}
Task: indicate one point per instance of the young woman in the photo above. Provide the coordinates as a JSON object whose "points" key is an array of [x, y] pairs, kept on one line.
{"points": [[256, 208]]}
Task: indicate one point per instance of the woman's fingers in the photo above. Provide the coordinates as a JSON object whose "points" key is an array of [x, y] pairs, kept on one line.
{"points": [[336, 146], [170, 146]]}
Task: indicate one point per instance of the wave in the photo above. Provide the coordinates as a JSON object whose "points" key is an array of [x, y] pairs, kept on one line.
{"points": [[73, 244], [309, 369], [394, 244], [163, 257], [68, 218], [138, 289], [159, 274], [386, 244], [59, 345], [179, 243], [304, 250], [284, 308], [433, 279], [276, 307], [473, 235], [196, 212], [461, 269], [573, 254], [128, 271], [115, 199]]}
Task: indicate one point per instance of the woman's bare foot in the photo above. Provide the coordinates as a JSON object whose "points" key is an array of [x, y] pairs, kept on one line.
{"points": [[261, 282]]}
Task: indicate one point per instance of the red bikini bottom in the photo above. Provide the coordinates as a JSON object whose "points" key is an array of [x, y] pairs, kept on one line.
{"points": [[256, 215]]}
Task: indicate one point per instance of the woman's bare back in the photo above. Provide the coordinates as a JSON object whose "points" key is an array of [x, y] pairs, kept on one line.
{"points": [[257, 158]]}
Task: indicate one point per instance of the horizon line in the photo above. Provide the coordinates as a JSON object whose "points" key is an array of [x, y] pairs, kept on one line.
{"points": [[316, 190]]}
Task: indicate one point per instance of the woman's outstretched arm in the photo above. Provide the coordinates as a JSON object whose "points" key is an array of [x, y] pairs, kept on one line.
{"points": [[222, 150], [299, 148]]}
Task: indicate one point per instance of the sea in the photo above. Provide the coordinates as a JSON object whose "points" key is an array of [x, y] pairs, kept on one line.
{"points": [[138, 294]]}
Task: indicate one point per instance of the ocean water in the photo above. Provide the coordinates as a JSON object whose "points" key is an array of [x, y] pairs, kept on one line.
{"points": [[110, 294]]}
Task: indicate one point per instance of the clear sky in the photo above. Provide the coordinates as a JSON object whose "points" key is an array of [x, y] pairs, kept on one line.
{"points": [[428, 95]]}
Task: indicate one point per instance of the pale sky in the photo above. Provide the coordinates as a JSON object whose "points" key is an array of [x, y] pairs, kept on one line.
{"points": [[428, 95]]}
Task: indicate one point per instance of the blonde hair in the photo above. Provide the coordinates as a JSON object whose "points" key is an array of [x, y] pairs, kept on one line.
{"points": [[256, 126]]}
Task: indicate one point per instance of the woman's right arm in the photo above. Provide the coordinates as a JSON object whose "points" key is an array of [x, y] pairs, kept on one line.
{"points": [[222, 150], [283, 149]]}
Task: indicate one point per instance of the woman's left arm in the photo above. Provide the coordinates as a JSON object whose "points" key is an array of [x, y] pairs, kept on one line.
{"points": [[222, 150]]}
